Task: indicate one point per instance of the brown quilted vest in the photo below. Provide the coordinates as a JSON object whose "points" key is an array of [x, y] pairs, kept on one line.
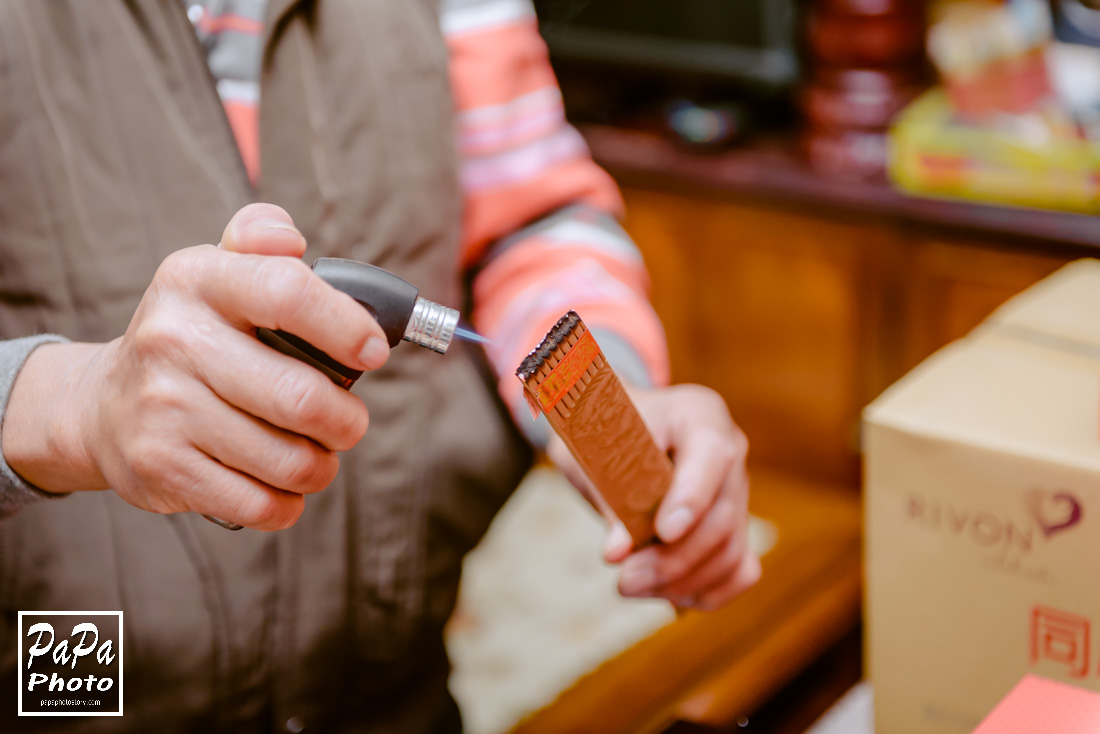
{"points": [[114, 151]]}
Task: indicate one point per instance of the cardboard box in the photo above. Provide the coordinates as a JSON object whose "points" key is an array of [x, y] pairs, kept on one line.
{"points": [[983, 513]]}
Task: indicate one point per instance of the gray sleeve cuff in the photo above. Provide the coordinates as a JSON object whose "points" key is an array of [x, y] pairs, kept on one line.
{"points": [[622, 357], [14, 491]]}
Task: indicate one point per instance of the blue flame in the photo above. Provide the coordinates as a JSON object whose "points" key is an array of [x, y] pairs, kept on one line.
{"points": [[471, 336]]}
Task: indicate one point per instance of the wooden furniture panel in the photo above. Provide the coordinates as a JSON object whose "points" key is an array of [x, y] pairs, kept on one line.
{"points": [[799, 318], [768, 307], [954, 285]]}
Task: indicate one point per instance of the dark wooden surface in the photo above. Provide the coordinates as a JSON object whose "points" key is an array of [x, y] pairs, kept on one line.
{"points": [[804, 700], [773, 168]]}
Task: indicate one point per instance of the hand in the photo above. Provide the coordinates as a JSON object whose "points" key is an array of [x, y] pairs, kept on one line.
{"points": [[702, 560], [188, 411]]}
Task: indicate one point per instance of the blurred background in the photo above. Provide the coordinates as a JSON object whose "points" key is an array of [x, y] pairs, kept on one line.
{"points": [[826, 192]]}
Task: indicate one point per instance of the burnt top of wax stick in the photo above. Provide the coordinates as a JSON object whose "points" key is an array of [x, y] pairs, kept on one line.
{"points": [[553, 339]]}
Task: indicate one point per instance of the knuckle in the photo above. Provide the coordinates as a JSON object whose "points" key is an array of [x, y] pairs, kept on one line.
{"points": [[160, 335], [306, 469], [738, 440], [159, 504], [701, 394], [742, 445], [298, 397], [159, 395], [285, 285], [671, 570], [159, 476], [328, 467], [354, 430], [292, 510], [263, 510], [143, 463], [718, 448], [725, 517], [180, 261], [183, 267], [271, 510], [671, 567], [150, 460], [733, 554], [723, 449], [710, 402]]}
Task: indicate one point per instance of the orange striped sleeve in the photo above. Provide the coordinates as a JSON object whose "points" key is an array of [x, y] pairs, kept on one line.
{"points": [[539, 227], [520, 159]]}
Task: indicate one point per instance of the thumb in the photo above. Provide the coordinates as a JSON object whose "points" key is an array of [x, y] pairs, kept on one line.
{"points": [[618, 543], [263, 229]]}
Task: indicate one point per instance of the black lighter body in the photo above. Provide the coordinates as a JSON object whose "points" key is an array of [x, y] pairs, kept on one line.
{"points": [[394, 303]]}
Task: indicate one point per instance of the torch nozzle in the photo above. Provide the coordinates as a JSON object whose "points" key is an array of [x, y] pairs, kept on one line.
{"points": [[431, 325]]}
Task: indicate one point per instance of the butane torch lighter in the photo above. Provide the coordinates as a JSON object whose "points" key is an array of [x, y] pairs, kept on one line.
{"points": [[394, 303]]}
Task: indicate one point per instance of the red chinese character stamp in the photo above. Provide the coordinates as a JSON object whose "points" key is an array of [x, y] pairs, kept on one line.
{"points": [[1060, 637]]}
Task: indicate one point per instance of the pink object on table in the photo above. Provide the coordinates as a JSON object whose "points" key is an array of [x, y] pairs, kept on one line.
{"points": [[1041, 705]]}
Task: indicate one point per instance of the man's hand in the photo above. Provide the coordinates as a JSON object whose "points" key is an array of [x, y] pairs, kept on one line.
{"points": [[188, 411], [703, 560]]}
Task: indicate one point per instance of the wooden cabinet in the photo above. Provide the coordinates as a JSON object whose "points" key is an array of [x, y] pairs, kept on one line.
{"points": [[953, 286], [764, 305], [799, 317]]}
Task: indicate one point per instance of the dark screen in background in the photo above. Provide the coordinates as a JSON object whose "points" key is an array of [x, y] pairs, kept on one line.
{"points": [[735, 22]]}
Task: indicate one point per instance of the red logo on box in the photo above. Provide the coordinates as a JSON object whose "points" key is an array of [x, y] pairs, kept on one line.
{"points": [[1060, 637]]}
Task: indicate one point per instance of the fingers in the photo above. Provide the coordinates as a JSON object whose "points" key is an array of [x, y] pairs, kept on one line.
{"points": [[618, 543], [198, 415], [235, 497], [730, 586], [272, 456], [263, 229], [284, 392], [651, 570], [727, 572], [266, 229], [168, 477], [704, 458], [680, 586], [702, 522], [279, 293], [701, 559]]}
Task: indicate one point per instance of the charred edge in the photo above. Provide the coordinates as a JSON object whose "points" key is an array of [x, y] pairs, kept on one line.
{"points": [[553, 339]]}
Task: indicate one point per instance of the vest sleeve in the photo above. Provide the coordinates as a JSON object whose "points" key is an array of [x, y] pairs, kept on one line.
{"points": [[15, 493]]}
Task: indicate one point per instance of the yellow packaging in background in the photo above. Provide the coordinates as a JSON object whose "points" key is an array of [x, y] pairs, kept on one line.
{"points": [[982, 493], [1038, 164]]}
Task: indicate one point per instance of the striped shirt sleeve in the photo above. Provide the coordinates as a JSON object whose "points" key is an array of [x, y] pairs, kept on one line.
{"points": [[540, 232]]}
